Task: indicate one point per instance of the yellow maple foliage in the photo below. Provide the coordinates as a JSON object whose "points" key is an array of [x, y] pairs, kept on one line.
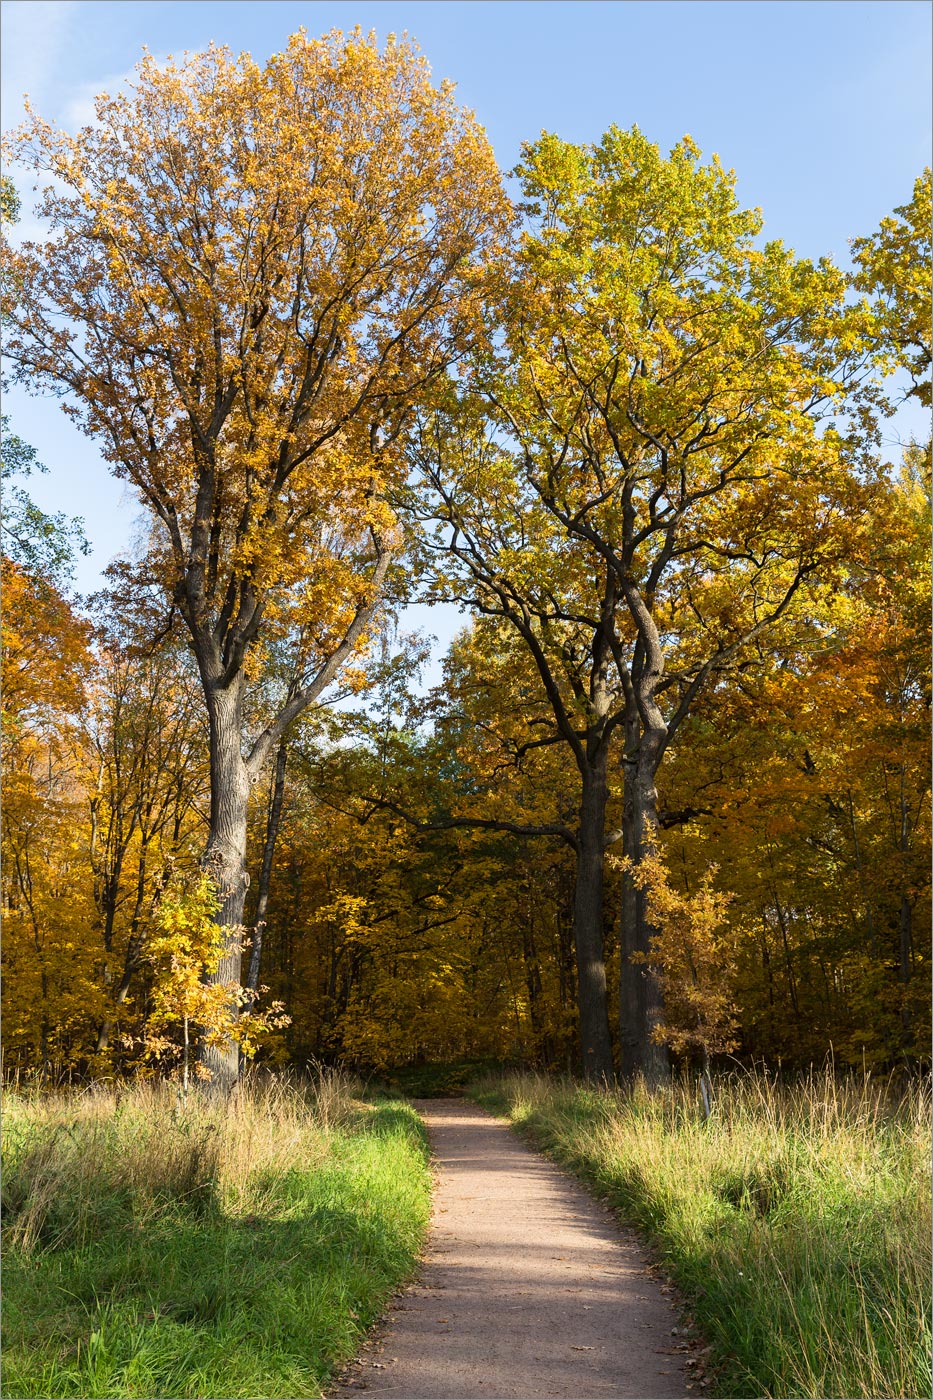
{"points": [[254, 273]]}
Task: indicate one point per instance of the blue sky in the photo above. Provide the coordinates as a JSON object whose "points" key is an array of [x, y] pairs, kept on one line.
{"points": [[821, 106]]}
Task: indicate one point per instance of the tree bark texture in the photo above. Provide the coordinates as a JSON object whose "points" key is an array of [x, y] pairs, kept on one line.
{"points": [[655, 1064], [225, 856], [232, 777], [265, 874], [641, 1002], [595, 1042]]}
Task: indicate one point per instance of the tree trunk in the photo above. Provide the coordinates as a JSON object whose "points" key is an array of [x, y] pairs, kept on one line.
{"points": [[641, 1001], [265, 874], [631, 999], [595, 1043], [656, 1065], [225, 858]]}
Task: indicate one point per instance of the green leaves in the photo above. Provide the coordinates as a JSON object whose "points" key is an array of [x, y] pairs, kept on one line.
{"points": [[43, 545]]}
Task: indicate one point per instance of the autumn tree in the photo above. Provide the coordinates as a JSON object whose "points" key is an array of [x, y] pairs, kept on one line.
{"points": [[896, 265], [475, 771], [9, 200], [498, 751], [50, 993], [810, 782], [666, 432], [498, 551], [364, 942], [253, 274], [400, 937], [145, 779], [696, 960]]}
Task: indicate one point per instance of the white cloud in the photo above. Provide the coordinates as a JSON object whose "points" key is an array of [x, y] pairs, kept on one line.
{"points": [[78, 107], [35, 35], [70, 106]]}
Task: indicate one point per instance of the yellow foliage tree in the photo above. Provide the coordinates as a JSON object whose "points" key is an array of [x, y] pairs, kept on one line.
{"points": [[253, 274], [50, 991], [186, 952], [694, 950], [650, 464], [809, 780], [896, 264]]}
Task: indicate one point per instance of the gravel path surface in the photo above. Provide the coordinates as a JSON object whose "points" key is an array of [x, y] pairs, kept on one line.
{"points": [[529, 1286]]}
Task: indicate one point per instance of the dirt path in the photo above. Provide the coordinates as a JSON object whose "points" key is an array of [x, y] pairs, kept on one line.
{"points": [[529, 1288]]}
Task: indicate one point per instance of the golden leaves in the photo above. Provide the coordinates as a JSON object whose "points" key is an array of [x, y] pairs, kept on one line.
{"points": [[260, 270], [695, 952]]}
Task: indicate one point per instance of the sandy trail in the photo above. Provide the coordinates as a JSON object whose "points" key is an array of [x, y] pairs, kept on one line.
{"points": [[529, 1287]]}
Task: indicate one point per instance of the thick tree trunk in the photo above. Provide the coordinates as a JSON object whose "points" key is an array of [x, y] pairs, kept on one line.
{"points": [[225, 858], [655, 1059], [631, 999], [641, 1004], [265, 874], [595, 1043]]}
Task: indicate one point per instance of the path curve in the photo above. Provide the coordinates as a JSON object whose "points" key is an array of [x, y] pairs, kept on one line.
{"points": [[529, 1287]]}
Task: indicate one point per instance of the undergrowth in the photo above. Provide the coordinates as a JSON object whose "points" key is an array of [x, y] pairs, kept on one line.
{"points": [[796, 1220], [440, 1079], [155, 1248]]}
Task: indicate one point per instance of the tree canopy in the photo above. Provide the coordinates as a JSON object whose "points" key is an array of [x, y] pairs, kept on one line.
{"points": [[253, 275], [670, 799]]}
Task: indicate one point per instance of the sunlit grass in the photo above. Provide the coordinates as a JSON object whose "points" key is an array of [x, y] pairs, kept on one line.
{"points": [[154, 1248], [796, 1220]]}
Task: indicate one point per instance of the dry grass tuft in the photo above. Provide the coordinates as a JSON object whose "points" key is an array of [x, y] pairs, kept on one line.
{"points": [[163, 1247], [797, 1218], [69, 1158]]}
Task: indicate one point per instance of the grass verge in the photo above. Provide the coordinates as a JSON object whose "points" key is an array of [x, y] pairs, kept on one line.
{"points": [[165, 1250], [796, 1221]]}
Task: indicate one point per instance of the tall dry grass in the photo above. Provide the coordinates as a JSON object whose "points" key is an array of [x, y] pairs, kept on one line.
{"points": [[72, 1159], [796, 1219], [157, 1246]]}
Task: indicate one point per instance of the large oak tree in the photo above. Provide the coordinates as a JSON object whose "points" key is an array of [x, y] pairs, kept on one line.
{"points": [[253, 274], [666, 437]]}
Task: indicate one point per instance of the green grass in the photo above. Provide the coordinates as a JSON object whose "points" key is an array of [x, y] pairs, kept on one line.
{"points": [[441, 1079], [154, 1249], [796, 1221]]}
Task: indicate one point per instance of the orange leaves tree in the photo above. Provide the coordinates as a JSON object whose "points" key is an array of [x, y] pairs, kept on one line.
{"points": [[253, 274], [692, 946], [186, 947], [50, 999], [146, 786], [810, 781]]}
